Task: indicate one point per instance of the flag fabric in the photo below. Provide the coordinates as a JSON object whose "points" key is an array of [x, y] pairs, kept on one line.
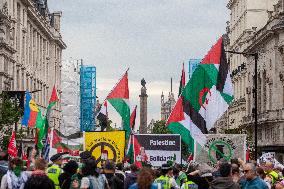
{"points": [[130, 150], [46, 149], [136, 152], [209, 92], [102, 116], [32, 113], [133, 118], [204, 99], [53, 98], [41, 132], [43, 126], [56, 139], [182, 81], [180, 123], [12, 148], [119, 99], [247, 155]]}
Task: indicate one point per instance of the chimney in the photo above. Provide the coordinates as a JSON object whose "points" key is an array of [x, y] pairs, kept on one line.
{"points": [[56, 20]]}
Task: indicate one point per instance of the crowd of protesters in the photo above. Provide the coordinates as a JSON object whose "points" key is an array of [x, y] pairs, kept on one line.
{"points": [[86, 174]]}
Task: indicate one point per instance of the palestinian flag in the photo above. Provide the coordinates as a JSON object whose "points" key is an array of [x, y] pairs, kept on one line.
{"points": [[136, 152], [180, 123], [133, 118], [119, 99], [53, 99], [130, 149], [209, 92], [42, 127], [182, 81], [102, 116], [55, 138]]}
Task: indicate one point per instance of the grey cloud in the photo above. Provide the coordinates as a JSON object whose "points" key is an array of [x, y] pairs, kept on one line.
{"points": [[152, 37]]}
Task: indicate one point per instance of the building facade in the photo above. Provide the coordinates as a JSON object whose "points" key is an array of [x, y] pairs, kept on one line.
{"points": [[30, 51], [256, 26], [167, 105]]}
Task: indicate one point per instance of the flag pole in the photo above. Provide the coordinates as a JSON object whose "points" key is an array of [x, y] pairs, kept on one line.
{"points": [[255, 55]]}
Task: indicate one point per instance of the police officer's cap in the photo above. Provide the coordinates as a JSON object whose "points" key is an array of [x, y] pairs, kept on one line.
{"points": [[166, 167], [56, 157]]}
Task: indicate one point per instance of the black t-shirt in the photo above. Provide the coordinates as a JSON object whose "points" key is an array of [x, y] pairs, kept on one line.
{"points": [[115, 181]]}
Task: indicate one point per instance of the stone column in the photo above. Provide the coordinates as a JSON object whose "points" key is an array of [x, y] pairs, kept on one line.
{"points": [[143, 108]]}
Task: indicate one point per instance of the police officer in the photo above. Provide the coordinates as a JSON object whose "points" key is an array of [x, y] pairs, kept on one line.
{"points": [[164, 180], [189, 185], [55, 170]]}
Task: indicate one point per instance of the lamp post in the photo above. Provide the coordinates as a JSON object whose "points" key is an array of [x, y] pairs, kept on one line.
{"points": [[255, 55]]}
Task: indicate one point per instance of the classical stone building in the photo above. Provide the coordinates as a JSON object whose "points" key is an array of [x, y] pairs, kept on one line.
{"points": [[167, 106], [256, 26], [30, 51]]}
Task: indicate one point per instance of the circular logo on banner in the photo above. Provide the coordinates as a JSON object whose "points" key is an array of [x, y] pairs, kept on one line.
{"points": [[105, 149], [219, 149]]}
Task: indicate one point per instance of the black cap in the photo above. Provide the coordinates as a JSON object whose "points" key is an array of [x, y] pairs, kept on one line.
{"points": [[110, 165], [56, 157], [86, 155], [166, 167]]}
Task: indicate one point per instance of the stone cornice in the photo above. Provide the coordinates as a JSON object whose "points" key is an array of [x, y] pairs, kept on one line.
{"points": [[230, 4], [267, 31], [44, 26], [7, 47]]}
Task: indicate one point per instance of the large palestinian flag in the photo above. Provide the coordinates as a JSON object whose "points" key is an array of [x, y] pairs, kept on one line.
{"points": [[119, 99], [205, 98]]}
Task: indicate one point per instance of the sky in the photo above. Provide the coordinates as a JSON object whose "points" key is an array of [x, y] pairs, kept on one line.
{"points": [[150, 37]]}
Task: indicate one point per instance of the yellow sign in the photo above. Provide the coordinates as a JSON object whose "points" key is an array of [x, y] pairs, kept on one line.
{"points": [[105, 145]]}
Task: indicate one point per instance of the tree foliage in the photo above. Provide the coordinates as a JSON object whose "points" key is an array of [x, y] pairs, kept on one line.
{"points": [[160, 127], [9, 112]]}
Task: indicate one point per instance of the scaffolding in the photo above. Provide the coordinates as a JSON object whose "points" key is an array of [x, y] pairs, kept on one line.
{"points": [[87, 98], [70, 97]]}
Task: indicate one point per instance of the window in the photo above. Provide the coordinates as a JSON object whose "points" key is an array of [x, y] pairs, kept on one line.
{"points": [[18, 80]]}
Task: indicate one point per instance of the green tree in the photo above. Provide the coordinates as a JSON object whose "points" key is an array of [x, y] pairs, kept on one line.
{"points": [[160, 127], [9, 115], [9, 112]]}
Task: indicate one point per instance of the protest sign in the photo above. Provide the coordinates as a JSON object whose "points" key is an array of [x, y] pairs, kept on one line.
{"points": [[227, 146], [105, 145], [157, 149]]}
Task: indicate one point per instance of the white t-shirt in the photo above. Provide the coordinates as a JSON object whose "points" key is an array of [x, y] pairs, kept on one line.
{"points": [[95, 182]]}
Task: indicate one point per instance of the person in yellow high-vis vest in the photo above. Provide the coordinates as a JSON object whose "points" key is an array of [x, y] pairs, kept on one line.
{"points": [[189, 185], [55, 170], [164, 179]]}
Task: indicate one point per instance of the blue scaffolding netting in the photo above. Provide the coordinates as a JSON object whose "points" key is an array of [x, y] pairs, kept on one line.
{"points": [[87, 98]]}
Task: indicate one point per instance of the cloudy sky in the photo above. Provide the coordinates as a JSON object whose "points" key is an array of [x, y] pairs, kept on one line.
{"points": [[151, 37]]}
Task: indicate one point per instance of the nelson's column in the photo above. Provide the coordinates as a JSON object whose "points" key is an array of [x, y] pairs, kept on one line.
{"points": [[143, 108]]}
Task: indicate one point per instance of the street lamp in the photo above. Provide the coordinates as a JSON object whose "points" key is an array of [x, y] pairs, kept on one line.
{"points": [[255, 55]]}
